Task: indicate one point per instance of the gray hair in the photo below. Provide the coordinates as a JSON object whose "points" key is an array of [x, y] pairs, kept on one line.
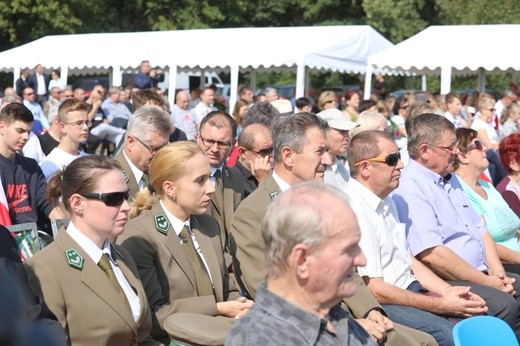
{"points": [[147, 120], [296, 217], [427, 128], [291, 131]]}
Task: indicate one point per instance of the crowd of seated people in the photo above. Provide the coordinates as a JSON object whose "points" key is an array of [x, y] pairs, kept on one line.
{"points": [[167, 240]]}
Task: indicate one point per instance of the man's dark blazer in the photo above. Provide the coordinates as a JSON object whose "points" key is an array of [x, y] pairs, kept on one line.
{"points": [[248, 180], [33, 83], [233, 189], [21, 84]]}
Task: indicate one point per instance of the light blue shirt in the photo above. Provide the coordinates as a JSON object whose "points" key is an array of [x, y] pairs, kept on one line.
{"points": [[437, 212], [37, 113], [501, 221]]}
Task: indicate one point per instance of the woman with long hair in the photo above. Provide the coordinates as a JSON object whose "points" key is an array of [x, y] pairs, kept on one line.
{"points": [[177, 246]]}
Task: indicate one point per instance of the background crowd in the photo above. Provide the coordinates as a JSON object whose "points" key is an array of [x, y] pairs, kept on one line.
{"points": [[165, 208]]}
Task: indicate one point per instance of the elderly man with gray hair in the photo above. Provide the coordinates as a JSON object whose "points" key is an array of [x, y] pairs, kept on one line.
{"points": [[148, 131], [312, 250]]}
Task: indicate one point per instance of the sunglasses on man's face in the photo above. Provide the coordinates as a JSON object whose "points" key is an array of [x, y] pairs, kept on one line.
{"points": [[111, 199], [390, 159]]}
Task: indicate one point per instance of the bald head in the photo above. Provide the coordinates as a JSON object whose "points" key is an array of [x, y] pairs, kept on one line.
{"points": [[182, 99]]}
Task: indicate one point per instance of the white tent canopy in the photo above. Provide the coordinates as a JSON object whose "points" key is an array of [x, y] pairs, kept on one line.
{"points": [[451, 50], [326, 48]]}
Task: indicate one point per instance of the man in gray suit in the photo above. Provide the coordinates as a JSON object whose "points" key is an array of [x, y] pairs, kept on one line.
{"points": [[148, 131], [216, 138], [300, 152]]}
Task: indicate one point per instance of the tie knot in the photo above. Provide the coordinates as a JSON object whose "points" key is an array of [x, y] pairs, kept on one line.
{"points": [[146, 180], [185, 234], [104, 262], [217, 174]]}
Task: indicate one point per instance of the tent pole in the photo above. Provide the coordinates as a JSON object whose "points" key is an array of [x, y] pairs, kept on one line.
{"points": [[423, 83], [16, 75], [234, 88], [252, 81], [172, 83], [300, 79], [116, 76], [307, 82], [481, 80], [64, 71], [368, 82], [445, 79]]}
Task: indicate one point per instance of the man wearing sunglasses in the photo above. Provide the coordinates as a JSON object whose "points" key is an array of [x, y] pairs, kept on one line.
{"points": [[301, 154], [443, 231], [73, 125], [255, 149], [394, 277]]}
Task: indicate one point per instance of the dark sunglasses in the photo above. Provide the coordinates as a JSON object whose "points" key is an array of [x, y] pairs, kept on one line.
{"points": [[263, 152], [475, 145], [390, 159], [111, 199]]}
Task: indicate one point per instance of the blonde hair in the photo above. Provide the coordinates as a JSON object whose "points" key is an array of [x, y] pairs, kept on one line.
{"points": [[368, 120], [325, 97], [169, 164]]}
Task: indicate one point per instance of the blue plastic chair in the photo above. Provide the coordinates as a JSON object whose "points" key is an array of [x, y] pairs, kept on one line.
{"points": [[483, 331]]}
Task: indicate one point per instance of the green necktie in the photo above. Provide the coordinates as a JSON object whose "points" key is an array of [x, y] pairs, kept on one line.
{"points": [[219, 190], [104, 263], [204, 286], [146, 180]]}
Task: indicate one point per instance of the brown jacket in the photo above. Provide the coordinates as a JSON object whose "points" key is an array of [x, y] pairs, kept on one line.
{"points": [[86, 304], [165, 270]]}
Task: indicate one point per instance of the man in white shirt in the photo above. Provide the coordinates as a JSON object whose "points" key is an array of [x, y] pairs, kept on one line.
{"points": [[40, 124], [410, 292], [205, 105], [453, 106], [74, 125], [182, 118]]}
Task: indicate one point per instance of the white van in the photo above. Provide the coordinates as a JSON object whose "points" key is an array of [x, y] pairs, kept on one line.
{"points": [[186, 80]]}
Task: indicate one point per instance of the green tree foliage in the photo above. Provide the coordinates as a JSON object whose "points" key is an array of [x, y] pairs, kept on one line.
{"points": [[396, 19], [478, 11], [22, 21]]}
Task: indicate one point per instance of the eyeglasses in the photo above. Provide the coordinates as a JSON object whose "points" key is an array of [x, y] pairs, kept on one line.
{"points": [[404, 107], [330, 101], [80, 123], [111, 199], [491, 109], [449, 150], [208, 143], [29, 94], [475, 145], [262, 152], [152, 151], [68, 96], [390, 159]]}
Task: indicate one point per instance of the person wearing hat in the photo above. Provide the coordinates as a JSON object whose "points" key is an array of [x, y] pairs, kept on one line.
{"points": [[338, 139]]}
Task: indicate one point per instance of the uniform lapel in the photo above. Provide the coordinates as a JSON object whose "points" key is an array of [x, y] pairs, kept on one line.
{"points": [[129, 175], [174, 246], [210, 256], [94, 278], [134, 283]]}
